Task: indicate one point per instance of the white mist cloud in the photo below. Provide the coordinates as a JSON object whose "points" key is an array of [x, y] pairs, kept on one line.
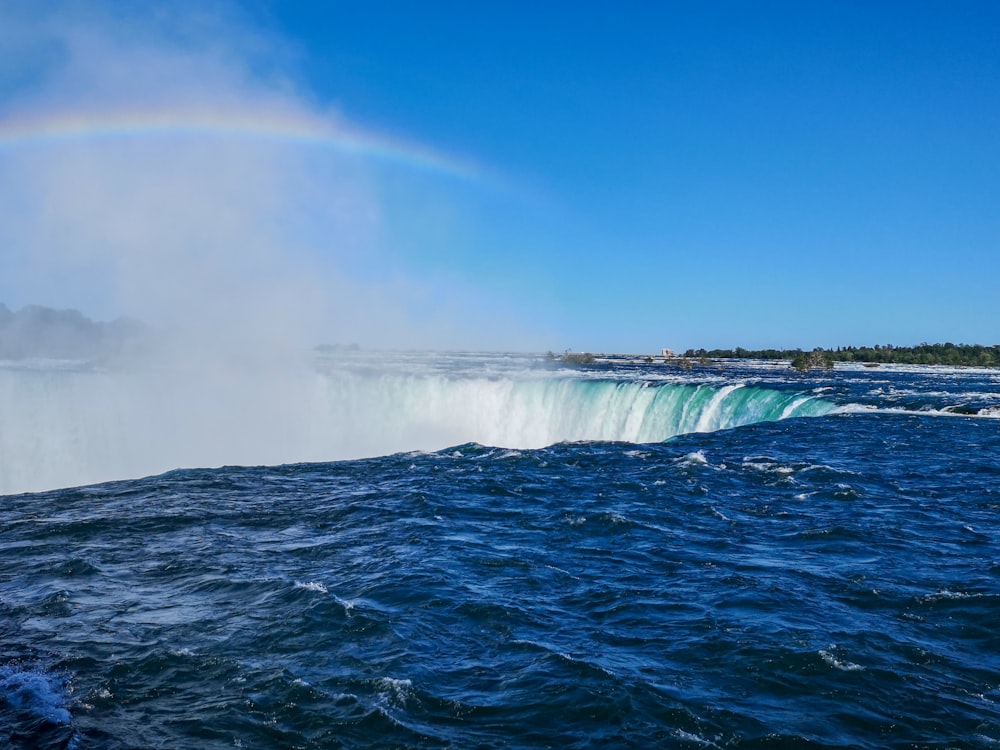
{"points": [[248, 249], [241, 239]]}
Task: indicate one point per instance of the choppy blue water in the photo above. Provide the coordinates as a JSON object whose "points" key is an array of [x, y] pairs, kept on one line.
{"points": [[823, 580]]}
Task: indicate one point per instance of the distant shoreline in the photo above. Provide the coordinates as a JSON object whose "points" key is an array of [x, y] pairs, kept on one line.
{"points": [[957, 355]]}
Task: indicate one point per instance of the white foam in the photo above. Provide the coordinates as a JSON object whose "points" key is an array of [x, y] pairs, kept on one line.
{"points": [[824, 467], [690, 459], [311, 586], [397, 690], [794, 406], [697, 739], [833, 661], [949, 594], [988, 412], [638, 454], [564, 572], [767, 465], [347, 604]]}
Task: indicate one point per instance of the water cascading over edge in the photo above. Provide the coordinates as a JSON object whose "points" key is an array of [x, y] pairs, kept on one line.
{"points": [[65, 427]]}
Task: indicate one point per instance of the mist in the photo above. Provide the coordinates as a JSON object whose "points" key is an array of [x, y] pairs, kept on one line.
{"points": [[238, 249], [224, 238]]}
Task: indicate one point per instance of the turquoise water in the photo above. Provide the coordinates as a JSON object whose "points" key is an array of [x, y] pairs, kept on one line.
{"points": [[817, 566]]}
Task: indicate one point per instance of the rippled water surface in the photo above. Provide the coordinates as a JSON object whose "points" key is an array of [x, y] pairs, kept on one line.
{"points": [[820, 581]]}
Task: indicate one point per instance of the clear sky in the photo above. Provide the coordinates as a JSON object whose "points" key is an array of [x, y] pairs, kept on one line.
{"points": [[594, 176]]}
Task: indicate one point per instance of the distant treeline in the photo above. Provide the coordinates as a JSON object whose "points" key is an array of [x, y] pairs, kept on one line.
{"points": [[973, 355], [36, 331]]}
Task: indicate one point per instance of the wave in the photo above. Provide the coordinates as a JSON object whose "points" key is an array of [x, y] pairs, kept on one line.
{"points": [[33, 705], [925, 410], [64, 428]]}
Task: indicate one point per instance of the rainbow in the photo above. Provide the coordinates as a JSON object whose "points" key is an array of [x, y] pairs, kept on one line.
{"points": [[283, 127]]}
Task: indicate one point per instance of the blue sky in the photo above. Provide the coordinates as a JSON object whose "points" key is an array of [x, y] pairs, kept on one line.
{"points": [[688, 174]]}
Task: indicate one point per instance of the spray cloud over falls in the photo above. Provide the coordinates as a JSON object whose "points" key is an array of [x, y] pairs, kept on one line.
{"points": [[163, 166], [169, 171]]}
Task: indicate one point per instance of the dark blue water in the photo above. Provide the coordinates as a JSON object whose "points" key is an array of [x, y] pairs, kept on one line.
{"points": [[826, 581]]}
